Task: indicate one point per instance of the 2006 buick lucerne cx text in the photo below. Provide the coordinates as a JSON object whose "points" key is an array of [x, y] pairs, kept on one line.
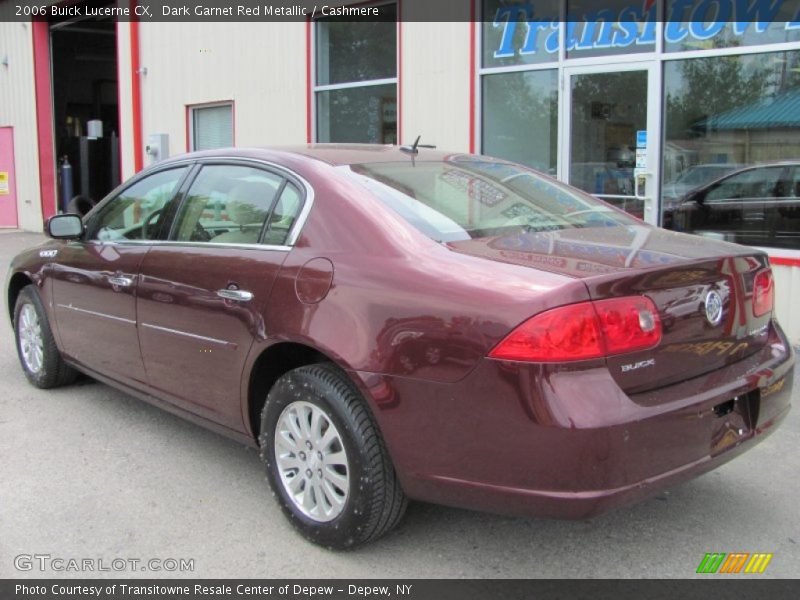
{"points": [[402, 323]]}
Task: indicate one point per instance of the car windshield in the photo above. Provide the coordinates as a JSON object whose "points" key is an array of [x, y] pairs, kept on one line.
{"points": [[467, 198]]}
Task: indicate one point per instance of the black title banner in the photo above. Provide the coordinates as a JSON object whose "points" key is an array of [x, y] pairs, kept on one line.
{"points": [[534, 12]]}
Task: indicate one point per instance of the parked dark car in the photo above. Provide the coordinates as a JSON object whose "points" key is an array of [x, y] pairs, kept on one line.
{"points": [[695, 176], [758, 206], [393, 323]]}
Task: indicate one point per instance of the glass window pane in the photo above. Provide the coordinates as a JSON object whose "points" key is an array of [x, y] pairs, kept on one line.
{"points": [[349, 50], [723, 114], [610, 27], [608, 109], [284, 215], [227, 204], [519, 32], [464, 198], [520, 117], [136, 214], [701, 24], [364, 114], [212, 127]]}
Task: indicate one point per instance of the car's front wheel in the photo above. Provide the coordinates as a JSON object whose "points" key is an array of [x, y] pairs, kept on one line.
{"points": [[40, 359], [326, 461]]}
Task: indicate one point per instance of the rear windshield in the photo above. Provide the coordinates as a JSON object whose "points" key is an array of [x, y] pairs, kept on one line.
{"points": [[462, 199]]}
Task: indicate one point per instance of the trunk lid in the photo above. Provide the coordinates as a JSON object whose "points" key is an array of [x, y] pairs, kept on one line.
{"points": [[685, 276]]}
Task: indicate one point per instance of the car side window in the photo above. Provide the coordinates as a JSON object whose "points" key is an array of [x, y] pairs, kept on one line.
{"points": [[136, 214], [227, 204], [754, 183], [284, 215]]}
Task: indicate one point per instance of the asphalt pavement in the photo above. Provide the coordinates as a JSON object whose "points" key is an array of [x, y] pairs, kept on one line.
{"points": [[88, 472]]}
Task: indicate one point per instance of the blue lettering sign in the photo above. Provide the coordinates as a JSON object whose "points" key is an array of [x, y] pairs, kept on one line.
{"points": [[709, 18], [628, 30], [605, 28], [513, 15], [534, 26], [762, 12]]}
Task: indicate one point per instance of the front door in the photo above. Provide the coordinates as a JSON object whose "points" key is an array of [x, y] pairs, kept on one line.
{"points": [[95, 295], [611, 120], [202, 294], [8, 190]]}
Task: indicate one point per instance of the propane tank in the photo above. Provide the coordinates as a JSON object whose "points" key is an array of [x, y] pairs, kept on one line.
{"points": [[66, 182]]}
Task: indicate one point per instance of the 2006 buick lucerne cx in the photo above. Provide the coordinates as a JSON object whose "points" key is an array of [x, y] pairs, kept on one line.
{"points": [[402, 323]]}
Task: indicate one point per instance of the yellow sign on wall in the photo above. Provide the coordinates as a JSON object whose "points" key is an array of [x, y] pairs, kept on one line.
{"points": [[4, 183]]}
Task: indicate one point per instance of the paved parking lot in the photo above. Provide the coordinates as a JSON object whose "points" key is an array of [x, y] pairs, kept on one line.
{"points": [[89, 472]]}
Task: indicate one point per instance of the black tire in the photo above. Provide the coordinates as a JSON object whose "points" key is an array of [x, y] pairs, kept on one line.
{"points": [[377, 503], [53, 371]]}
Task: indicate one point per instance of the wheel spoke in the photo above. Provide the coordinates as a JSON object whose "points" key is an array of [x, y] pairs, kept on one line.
{"points": [[336, 459], [328, 438], [317, 420], [308, 499], [337, 479], [320, 501], [304, 416], [295, 483], [285, 440], [335, 499], [291, 422]]}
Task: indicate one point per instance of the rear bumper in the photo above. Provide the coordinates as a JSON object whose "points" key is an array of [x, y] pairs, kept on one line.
{"points": [[543, 441]]}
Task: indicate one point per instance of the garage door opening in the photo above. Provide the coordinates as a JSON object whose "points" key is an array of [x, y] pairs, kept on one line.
{"points": [[85, 108]]}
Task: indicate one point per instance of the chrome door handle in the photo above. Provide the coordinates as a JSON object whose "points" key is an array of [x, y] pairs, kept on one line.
{"points": [[237, 295], [121, 281]]}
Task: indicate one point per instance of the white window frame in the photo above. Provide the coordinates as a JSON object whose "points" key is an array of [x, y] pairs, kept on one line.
{"points": [[316, 88], [191, 108]]}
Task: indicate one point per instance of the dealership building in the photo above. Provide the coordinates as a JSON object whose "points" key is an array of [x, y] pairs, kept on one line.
{"points": [[644, 103]]}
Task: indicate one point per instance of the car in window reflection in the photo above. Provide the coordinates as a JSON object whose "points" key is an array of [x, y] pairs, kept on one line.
{"points": [[389, 324], [757, 205], [696, 176]]}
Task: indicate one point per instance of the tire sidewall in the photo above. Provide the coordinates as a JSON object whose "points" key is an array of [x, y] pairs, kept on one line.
{"points": [[346, 530]]}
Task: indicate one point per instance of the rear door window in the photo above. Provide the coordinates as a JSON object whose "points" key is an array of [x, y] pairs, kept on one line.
{"points": [[227, 204]]}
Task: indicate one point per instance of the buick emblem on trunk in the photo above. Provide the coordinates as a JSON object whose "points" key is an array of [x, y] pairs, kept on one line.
{"points": [[713, 308]]}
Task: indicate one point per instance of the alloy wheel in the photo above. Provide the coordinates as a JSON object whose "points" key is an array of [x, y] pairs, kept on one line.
{"points": [[312, 461]]}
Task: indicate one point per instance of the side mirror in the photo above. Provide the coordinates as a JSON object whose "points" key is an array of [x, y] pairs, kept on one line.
{"points": [[64, 227]]}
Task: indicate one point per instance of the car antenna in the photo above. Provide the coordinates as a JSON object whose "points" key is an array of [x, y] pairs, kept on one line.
{"points": [[413, 149]]}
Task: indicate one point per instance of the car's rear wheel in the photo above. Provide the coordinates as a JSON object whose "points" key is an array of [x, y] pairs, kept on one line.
{"points": [[40, 359], [326, 461]]}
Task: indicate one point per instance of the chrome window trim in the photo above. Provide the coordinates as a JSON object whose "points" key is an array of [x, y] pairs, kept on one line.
{"points": [[286, 173], [195, 336], [189, 243]]}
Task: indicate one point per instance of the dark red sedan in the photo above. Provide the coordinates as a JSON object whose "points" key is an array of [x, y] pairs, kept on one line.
{"points": [[390, 323]]}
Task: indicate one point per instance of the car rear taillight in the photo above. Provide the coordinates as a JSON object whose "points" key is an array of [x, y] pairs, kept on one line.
{"points": [[763, 292], [583, 331]]}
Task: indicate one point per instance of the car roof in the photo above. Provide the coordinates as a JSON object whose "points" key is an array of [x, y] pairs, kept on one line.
{"points": [[332, 154]]}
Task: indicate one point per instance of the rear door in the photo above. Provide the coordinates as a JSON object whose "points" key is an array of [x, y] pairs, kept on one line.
{"points": [[95, 280], [202, 293]]}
